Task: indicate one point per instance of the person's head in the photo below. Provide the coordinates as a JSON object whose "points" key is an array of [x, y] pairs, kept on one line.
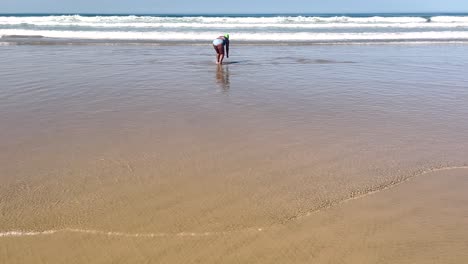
{"points": [[226, 36]]}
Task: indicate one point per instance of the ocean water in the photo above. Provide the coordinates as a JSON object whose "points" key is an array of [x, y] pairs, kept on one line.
{"points": [[332, 28]]}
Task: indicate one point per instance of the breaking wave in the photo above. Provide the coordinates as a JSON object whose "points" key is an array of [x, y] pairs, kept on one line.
{"points": [[200, 28]]}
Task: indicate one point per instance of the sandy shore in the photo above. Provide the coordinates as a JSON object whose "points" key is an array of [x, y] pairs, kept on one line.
{"points": [[142, 154], [420, 221]]}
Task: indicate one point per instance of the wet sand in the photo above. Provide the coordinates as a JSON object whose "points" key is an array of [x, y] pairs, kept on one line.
{"points": [[420, 221], [107, 157]]}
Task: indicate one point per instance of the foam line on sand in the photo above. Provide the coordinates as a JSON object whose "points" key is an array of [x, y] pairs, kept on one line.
{"points": [[18, 233]]}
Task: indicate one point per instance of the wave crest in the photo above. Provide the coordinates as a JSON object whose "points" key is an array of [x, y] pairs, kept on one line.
{"points": [[71, 19]]}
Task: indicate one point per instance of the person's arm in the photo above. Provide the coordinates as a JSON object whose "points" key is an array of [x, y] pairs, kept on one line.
{"points": [[227, 48]]}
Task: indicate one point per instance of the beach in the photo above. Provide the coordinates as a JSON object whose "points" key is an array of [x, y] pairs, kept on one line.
{"points": [[150, 153]]}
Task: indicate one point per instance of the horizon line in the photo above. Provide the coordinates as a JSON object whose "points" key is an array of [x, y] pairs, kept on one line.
{"points": [[229, 14]]}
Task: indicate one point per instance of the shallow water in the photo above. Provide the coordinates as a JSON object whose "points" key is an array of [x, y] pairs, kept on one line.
{"points": [[148, 139]]}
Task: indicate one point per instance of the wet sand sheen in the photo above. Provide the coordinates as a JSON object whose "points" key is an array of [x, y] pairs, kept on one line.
{"points": [[420, 221], [224, 164], [251, 229]]}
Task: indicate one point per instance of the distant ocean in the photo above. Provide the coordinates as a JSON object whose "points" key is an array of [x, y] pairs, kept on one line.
{"points": [[331, 28]]}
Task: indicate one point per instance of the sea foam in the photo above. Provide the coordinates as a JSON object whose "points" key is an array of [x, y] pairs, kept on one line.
{"points": [[252, 29]]}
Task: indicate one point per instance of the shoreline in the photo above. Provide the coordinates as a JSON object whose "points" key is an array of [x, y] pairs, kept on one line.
{"points": [[391, 227], [292, 220], [44, 41]]}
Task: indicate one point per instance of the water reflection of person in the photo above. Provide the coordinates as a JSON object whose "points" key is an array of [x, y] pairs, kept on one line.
{"points": [[222, 77]]}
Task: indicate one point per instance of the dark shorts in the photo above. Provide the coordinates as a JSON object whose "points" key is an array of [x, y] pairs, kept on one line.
{"points": [[219, 49]]}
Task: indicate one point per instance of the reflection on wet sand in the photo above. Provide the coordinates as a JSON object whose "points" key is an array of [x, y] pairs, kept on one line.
{"points": [[109, 157], [223, 77]]}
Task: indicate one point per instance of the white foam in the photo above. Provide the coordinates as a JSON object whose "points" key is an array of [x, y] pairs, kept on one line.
{"points": [[450, 19], [243, 28], [120, 234], [209, 20], [207, 36], [236, 25], [27, 233], [220, 21]]}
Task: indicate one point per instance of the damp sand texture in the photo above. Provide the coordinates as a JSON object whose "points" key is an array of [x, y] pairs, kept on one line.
{"points": [[330, 154]]}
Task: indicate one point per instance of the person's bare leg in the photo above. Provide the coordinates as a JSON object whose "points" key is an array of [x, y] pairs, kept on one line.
{"points": [[221, 58], [217, 54]]}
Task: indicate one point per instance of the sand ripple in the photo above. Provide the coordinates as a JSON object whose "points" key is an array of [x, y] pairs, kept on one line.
{"points": [[354, 196]]}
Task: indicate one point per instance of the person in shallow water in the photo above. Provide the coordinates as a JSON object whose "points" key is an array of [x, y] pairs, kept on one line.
{"points": [[219, 44]]}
